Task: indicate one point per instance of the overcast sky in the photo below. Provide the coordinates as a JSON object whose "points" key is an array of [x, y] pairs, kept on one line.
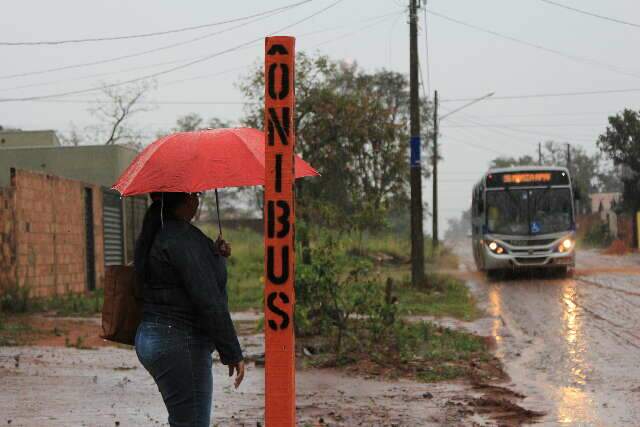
{"points": [[574, 53]]}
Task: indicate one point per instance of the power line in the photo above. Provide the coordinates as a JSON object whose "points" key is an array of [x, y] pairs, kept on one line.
{"points": [[380, 20], [595, 15], [55, 82], [471, 144], [170, 70], [159, 102], [545, 135], [575, 113], [548, 95], [134, 55], [576, 58], [518, 125], [153, 34]]}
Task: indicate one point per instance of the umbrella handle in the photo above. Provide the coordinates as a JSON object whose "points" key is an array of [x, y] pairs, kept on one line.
{"points": [[218, 213]]}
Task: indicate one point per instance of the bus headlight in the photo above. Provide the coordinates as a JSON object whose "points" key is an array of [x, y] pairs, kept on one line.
{"points": [[565, 245], [496, 248]]}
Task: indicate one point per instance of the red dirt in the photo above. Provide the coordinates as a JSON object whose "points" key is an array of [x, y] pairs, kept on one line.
{"points": [[617, 247], [54, 331]]}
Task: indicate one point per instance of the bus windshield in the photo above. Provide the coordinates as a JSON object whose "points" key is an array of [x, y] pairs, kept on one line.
{"points": [[530, 211]]}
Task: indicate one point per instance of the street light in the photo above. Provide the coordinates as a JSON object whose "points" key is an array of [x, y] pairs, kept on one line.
{"points": [[475, 101]]}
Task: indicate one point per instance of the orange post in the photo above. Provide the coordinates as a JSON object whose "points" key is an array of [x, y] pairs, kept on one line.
{"points": [[279, 243]]}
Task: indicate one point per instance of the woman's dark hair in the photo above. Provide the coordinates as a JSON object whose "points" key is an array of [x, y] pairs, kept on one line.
{"points": [[167, 202]]}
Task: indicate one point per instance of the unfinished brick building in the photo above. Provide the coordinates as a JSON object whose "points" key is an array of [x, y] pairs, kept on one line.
{"points": [[57, 234]]}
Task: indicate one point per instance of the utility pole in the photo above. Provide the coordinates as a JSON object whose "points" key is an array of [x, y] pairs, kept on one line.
{"points": [[540, 153], [435, 171], [569, 157], [417, 233]]}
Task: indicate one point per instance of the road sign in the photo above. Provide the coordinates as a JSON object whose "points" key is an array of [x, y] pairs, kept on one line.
{"points": [[279, 207]]}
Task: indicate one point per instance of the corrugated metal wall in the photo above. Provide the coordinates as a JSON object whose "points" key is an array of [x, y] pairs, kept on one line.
{"points": [[113, 228]]}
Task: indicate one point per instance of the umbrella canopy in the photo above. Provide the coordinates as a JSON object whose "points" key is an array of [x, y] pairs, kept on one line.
{"points": [[202, 160]]}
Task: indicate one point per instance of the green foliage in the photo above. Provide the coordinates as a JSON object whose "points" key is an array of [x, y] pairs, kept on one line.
{"points": [[15, 299], [79, 343], [507, 162], [245, 267], [342, 299], [12, 333], [621, 143], [331, 291], [597, 236], [448, 297], [18, 300], [352, 126]]}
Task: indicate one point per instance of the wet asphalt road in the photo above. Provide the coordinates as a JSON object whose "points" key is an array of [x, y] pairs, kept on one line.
{"points": [[571, 345]]}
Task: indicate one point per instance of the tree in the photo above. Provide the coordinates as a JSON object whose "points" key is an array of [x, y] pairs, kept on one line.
{"points": [[352, 126], [507, 162], [113, 111], [583, 168], [120, 104], [588, 172], [188, 122], [621, 143], [459, 228], [73, 138]]}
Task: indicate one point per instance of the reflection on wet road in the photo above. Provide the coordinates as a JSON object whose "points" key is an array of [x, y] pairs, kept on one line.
{"points": [[571, 345]]}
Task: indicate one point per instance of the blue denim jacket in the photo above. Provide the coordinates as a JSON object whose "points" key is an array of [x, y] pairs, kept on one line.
{"points": [[187, 284]]}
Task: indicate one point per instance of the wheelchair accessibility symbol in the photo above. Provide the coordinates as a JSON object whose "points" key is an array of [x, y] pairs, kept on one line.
{"points": [[535, 227]]}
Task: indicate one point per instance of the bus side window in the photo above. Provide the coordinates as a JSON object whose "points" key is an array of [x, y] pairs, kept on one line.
{"points": [[480, 206]]}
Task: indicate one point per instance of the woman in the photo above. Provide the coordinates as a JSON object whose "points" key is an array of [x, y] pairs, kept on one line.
{"points": [[185, 312]]}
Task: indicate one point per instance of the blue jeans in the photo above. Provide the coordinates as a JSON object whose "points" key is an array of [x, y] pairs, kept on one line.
{"points": [[179, 360]]}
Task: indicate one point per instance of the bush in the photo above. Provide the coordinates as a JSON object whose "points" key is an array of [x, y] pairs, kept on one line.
{"points": [[336, 298], [15, 299], [598, 236], [18, 300]]}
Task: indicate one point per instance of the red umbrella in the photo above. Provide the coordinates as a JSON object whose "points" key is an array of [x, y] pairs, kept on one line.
{"points": [[191, 162]]}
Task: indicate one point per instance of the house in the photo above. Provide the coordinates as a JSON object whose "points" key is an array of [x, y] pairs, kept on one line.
{"points": [[60, 224]]}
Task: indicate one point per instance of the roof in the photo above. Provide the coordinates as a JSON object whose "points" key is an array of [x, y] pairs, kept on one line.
{"points": [[527, 168]]}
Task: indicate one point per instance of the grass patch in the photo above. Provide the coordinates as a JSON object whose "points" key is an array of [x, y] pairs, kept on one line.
{"points": [[446, 354], [390, 254], [71, 304], [245, 267], [13, 332], [79, 343], [422, 351], [447, 297]]}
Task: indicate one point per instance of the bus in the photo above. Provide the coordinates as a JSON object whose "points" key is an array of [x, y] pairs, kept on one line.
{"points": [[523, 217]]}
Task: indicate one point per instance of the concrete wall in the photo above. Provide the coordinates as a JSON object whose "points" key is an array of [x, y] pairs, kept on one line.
{"points": [[31, 138], [97, 164], [49, 233]]}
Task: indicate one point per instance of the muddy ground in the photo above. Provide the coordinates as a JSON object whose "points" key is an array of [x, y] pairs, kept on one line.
{"points": [[569, 346], [52, 384]]}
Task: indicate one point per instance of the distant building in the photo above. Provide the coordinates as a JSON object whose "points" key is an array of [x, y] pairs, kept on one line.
{"points": [[20, 138], [50, 193], [604, 202]]}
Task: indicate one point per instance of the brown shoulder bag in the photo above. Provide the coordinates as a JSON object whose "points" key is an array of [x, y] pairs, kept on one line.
{"points": [[122, 307]]}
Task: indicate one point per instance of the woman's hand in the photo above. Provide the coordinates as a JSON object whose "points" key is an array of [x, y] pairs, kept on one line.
{"points": [[223, 247], [239, 368]]}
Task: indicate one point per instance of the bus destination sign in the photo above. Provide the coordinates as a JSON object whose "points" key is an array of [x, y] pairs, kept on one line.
{"points": [[527, 179], [521, 178]]}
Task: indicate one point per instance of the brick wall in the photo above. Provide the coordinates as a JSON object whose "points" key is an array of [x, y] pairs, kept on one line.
{"points": [[626, 230], [7, 240], [50, 233]]}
